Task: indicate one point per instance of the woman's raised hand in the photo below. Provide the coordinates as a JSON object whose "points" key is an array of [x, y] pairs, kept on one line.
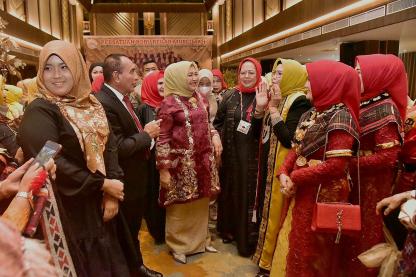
{"points": [[261, 97]]}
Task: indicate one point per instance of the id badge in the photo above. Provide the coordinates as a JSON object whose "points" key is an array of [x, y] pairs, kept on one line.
{"points": [[244, 127]]}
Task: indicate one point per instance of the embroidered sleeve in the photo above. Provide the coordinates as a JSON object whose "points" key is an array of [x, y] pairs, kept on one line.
{"points": [[288, 164], [163, 155], [387, 148], [339, 142]]}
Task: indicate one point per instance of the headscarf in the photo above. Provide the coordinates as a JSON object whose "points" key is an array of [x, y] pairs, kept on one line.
{"points": [[384, 73], [97, 84], [206, 73], [218, 73], [150, 93], [83, 111], [268, 78], [257, 65], [294, 76], [333, 83], [176, 79], [30, 88], [91, 68]]}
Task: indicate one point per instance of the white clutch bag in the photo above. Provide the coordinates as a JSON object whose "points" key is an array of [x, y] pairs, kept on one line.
{"points": [[407, 214]]}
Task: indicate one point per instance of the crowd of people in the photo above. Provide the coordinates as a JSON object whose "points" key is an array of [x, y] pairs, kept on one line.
{"points": [[305, 169]]}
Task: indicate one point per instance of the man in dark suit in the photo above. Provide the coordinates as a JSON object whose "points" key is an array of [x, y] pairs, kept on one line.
{"points": [[134, 142]]}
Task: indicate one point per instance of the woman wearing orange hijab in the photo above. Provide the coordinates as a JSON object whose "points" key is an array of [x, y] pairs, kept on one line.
{"points": [[86, 193]]}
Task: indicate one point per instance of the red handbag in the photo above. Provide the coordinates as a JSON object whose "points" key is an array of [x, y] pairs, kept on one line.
{"points": [[339, 218], [335, 217]]}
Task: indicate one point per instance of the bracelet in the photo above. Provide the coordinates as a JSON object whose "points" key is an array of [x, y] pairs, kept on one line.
{"points": [[23, 194], [413, 194]]}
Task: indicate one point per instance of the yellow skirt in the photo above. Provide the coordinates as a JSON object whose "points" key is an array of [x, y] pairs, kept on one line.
{"points": [[187, 227]]}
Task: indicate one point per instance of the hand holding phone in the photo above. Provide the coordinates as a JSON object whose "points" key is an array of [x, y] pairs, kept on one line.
{"points": [[48, 151]]}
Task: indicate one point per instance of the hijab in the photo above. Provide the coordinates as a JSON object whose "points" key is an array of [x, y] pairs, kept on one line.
{"points": [[257, 65], [83, 111], [92, 66], [97, 84], [150, 93], [294, 76], [333, 83], [218, 73], [30, 88], [268, 78], [205, 73], [176, 75], [384, 73]]}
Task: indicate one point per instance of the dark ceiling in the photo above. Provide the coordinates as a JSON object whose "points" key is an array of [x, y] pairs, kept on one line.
{"points": [[114, 6], [147, 1]]}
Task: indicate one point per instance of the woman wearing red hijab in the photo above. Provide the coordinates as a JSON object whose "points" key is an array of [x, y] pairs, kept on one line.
{"points": [[152, 97], [322, 148], [238, 174], [219, 86], [382, 111]]}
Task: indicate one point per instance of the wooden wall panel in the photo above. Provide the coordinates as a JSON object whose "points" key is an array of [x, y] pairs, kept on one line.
{"points": [[247, 15], [295, 15], [229, 19], [258, 11], [32, 15], [409, 60], [56, 19], [238, 17], [16, 8], [45, 16], [114, 24], [272, 8], [179, 24], [290, 3], [66, 32]]}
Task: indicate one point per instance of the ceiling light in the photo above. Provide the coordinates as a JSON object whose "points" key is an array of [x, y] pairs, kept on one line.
{"points": [[304, 26]]}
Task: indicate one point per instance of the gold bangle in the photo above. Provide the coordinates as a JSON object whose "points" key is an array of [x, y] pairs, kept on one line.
{"points": [[388, 145], [338, 153]]}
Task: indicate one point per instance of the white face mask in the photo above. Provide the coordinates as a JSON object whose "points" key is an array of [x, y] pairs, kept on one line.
{"points": [[205, 90]]}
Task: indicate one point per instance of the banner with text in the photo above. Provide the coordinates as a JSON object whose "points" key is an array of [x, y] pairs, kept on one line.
{"points": [[164, 50]]}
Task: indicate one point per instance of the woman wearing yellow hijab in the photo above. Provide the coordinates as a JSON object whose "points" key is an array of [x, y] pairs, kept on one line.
{"points": [[79, 229], [287, 104], [186, 150]]}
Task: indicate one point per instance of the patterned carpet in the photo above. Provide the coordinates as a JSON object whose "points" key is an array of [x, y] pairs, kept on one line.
{"points": [[225, 263]]}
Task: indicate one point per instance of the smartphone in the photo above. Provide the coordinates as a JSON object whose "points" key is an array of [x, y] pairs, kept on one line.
{"points": [[48, 151]]}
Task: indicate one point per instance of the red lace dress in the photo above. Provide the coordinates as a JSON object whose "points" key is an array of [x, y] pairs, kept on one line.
{"points": [[185, 148], [301, 251], [380, 144]]}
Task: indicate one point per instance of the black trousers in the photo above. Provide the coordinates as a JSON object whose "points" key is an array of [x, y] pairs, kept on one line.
{"points": [[133, 213]]}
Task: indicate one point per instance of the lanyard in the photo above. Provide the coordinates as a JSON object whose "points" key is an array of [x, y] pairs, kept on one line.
{"points": [[249, 109]]}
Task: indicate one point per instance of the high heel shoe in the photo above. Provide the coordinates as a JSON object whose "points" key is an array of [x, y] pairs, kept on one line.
{"points": [[211, 249], [180, 258]]}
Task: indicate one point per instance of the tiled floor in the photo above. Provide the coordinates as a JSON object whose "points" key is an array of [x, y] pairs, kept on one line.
{"points": [[225, 263]]}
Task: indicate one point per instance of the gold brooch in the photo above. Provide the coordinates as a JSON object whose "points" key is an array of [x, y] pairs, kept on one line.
{"points": [[300, 134], [301, 161], [193, 102]]}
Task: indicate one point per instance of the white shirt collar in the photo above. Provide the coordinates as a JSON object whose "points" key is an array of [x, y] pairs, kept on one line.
{"points": [[119, 95]]}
